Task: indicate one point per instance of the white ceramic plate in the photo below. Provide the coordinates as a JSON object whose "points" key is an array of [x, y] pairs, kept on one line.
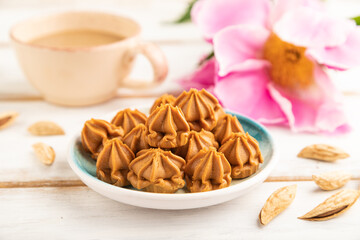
{"points": [[85, 168]]}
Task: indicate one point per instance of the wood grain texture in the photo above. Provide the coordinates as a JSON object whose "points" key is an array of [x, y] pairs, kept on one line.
{"points": [[71, 119], [80, 213], [76, 183], [20, 163], [23, 163], [38, 202], [44, 183]]}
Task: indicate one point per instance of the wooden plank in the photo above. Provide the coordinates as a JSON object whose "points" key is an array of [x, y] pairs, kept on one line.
{"points": [[77, 183], [80, 213], [38, 201], [44, 183], [182, 59], [19, 161], [20, 165]]}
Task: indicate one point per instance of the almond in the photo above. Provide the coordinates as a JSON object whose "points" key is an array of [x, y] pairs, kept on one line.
{"points": [[44, 153], [276, 203], [323, 152], [333, 206], [331, 180], [7, 118], [45, 128]]}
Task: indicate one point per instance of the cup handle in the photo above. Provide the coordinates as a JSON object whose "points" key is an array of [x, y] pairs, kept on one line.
{"points": [[157, 60]]}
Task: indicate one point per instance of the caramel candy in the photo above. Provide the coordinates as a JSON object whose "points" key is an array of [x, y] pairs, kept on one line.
{"points": [[164, 99], [136, 138], [227, 125], [156, 170], [197, 141], [219, 113], [112, 165], [167, 127], [95, 133], [128, 119], [243, 153], [201, 109], [207, 170]]}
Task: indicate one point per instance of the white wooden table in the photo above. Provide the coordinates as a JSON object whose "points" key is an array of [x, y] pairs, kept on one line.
{"points": [[38, 202]]}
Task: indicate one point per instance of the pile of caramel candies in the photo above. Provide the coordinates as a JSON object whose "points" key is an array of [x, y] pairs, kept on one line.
{"points": [[188, 139]]}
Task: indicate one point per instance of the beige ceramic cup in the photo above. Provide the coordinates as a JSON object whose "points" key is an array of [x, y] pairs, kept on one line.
{"points": [[83, 76]]}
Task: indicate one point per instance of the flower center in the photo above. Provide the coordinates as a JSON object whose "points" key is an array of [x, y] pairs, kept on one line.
{"points": [[290, 67]]}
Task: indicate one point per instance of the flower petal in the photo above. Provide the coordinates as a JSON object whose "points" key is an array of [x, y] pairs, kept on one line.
{"points": [[310, 28], [321, 113], [247, 94], [283, 6], [203, 77], [341, 57], [237, 45], [212, 16]]}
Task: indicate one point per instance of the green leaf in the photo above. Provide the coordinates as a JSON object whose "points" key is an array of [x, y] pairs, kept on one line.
{"points": [[357, 20], [186, 16], [208, 57]]}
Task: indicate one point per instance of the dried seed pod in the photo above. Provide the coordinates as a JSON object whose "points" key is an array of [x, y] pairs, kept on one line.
{"points": [[323, 152], [44, 153], [276, 203], [331, 180], [333, 206], [45, 128], [7, 118]]}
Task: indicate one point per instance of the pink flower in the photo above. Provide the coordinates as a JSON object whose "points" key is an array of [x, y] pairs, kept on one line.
{"points": [[270, 60]]}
